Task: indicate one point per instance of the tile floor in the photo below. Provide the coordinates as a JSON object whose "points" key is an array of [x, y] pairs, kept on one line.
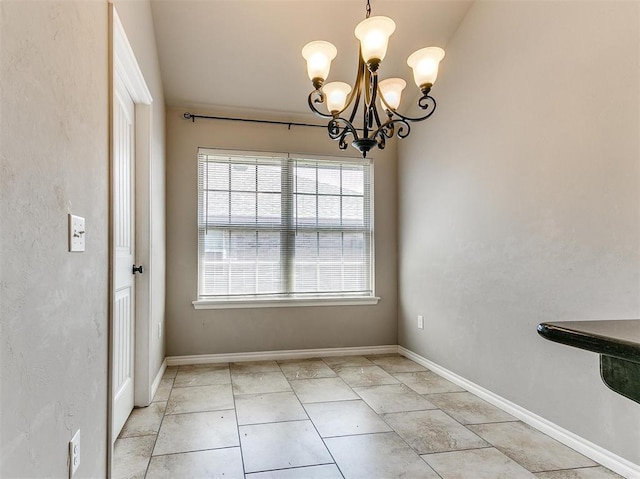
{"points": [[373, 417]]}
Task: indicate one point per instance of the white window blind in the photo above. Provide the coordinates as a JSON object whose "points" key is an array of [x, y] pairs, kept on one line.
{"points": [[277, 226]]}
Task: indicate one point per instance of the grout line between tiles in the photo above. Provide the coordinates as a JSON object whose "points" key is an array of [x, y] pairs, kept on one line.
{"points": [[289, 468], [197, 450], [318, 432], [187, 386], [137, 435], [452, 451], [235, 413], [274, 422], [490, 422], [569, 469], [361, 434], [164, 414], [197, 412]]}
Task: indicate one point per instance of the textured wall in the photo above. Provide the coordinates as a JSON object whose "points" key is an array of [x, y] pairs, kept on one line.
{"points": [[519, 203], [54, 160], [240, 330], [137, 21]]}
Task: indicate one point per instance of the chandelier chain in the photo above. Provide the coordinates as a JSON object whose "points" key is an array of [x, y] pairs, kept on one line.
{"points": [[368, 9]]}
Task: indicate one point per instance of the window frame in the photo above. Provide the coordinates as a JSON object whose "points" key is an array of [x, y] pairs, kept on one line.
{"points": [[279, 299]]}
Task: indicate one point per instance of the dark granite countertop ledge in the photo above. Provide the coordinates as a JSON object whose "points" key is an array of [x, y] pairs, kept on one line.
{"points": [[618, 338], [617, 342]]}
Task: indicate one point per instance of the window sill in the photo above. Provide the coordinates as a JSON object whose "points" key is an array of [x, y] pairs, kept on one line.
{"points": [[283, 302]]}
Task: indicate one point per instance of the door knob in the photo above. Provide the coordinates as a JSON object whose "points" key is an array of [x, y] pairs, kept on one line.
{"points": [[138, 269]]}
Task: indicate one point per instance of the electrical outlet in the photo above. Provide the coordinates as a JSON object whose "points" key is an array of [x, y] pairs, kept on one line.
{"points": [[74, 454], [420, 322]]}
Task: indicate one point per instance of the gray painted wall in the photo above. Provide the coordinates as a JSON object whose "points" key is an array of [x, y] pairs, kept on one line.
{"points": [[519, 203], [241, 330], [54, 160]]}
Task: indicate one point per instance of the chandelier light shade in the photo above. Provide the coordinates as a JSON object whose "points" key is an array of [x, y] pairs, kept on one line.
{"points": [[319, 55], [425, 64], [373, 34], [391, 92], [336, 94]]}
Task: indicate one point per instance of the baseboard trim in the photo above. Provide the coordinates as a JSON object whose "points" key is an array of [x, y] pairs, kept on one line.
{"points": [[278, 355], [608, 459], [273, 355], [156, 381]]}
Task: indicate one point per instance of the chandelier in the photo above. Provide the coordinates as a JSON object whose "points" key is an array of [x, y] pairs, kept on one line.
{"points": [[373, 33]]}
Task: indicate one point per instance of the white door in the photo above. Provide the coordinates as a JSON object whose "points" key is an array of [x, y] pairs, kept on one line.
{"points": [[123, 238]]}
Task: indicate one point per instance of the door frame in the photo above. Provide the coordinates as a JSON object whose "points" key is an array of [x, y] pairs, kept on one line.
{"points": [[122, 62]]}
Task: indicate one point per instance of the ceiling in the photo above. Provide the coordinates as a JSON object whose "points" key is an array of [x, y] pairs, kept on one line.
{"points": [[244, 55]]}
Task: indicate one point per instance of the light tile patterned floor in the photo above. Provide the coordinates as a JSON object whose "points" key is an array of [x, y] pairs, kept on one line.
{"points": [[374, 417]]}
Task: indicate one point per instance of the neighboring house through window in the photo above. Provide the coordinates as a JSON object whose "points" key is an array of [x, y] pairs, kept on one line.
{"points": [[277, 228]]}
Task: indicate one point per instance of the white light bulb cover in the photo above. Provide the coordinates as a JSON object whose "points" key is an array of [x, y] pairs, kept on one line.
{"points": [[374, 33], [319, 55], [424, 63], [391, 89], [336, 95]]}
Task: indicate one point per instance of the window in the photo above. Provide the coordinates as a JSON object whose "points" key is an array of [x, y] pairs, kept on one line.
{"points": [[276, 228]]}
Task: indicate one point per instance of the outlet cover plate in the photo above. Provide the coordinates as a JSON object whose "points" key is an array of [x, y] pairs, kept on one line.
{"points": [[74, 454]]}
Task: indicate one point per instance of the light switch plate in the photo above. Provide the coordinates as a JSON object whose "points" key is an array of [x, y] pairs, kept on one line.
{"points": [[76, 233]]}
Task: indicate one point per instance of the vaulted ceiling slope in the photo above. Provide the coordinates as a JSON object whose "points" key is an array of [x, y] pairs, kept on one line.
{"points": [[244, 55]]}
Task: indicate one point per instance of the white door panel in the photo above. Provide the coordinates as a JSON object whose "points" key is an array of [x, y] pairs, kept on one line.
{"points": [[123, 221]]}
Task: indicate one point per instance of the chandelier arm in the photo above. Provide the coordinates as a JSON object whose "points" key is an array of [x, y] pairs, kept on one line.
{"points": [[342, 142], [374, 88], [316, 96], [426, 102], [367, 88], [388, 128], [339, 128], [381, 142], [426, 99], [375, 91], [370, 87], [368, 114], [403, 130], [376, 116], [357, 91]]}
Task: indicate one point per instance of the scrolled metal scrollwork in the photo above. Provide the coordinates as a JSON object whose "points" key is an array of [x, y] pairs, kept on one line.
{"points": [[404, 128], [388, 129], [382, 142], [427, 101], [340, 129], [317, 96]]}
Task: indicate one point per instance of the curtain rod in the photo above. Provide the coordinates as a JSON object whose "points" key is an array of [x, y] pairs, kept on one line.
{"points": [[192, 117]]}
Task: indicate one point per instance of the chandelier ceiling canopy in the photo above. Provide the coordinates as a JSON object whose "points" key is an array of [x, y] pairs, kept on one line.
{"points": [[373, 34]]}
